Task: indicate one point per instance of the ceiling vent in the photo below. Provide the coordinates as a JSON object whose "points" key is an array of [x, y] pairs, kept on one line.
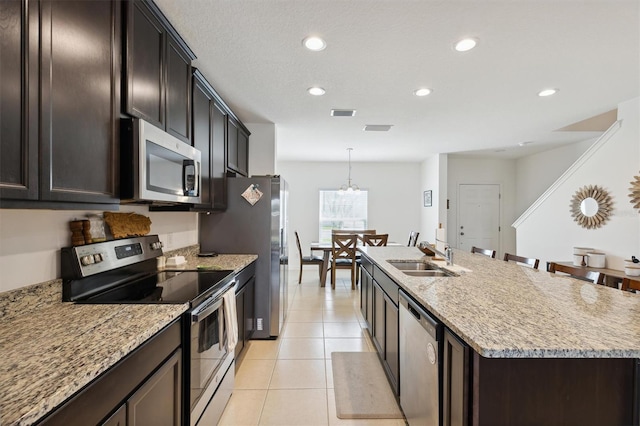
{"points": [[377, 127], [343, 112]]}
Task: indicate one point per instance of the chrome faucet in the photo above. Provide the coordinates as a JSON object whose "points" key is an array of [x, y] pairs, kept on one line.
{"points": [[449, 255]]}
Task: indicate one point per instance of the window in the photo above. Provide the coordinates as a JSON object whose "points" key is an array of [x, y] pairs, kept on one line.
{"points": [[341, 211]]}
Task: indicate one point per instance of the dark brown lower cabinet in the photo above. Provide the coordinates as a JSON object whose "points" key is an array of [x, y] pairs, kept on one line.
{"points": [[392, 344], [366, 297], [385, 334], [550, 391], [119, 418], [245, 307], [159, 401], [455, 381], [378, 318]]}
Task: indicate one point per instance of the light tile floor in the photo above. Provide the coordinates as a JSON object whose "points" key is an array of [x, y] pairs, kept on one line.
{"points": [[288, 381]]}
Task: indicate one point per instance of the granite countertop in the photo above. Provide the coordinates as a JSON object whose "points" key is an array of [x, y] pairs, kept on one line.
{"points": [[504, 310], [49, 350], [48, 355], [235, 262]]}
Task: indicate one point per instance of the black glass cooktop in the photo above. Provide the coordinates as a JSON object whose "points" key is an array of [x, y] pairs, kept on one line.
{"points": [[166, 287]]}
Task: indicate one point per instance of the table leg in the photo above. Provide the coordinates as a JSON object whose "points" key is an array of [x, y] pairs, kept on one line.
{"points": [[325, 267]]}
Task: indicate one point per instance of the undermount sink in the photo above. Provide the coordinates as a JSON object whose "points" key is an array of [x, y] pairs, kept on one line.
{"points": [[428, 273], [416, 268]]}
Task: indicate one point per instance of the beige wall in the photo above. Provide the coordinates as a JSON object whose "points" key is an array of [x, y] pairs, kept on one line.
{"points": [[30, 240]]}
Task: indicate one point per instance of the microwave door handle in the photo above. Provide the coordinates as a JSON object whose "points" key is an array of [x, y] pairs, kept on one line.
{"points": [[186, 188]]}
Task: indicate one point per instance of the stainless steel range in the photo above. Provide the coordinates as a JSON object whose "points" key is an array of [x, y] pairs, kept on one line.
{"points": [[124, 271]]}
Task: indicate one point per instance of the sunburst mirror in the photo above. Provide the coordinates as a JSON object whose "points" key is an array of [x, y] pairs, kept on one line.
{"points": [[634, 193], [591, 206]]}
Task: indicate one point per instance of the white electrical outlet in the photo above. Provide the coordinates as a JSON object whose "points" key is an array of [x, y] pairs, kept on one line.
{"points": [[259, 326]]}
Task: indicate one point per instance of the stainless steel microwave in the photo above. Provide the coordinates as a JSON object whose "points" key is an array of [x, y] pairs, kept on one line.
{"points": [[156, 167]]}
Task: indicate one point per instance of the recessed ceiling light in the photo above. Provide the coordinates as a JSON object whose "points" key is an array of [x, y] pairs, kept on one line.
{"points": [[548, 92], [314, 43], [465, 44], [422, 92], [316, 91]]}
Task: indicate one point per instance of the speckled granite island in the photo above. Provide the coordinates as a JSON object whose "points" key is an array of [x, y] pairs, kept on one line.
{"points": [[50, 350], [532, 347]]}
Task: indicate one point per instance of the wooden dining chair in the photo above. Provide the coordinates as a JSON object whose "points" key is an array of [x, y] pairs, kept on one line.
{"points": [[308, 260], [375, 239], [413, 239], [358, 232], [577, 272], [486, 252], [526, 260], [353, 231], [343, 256], [629, 284]]}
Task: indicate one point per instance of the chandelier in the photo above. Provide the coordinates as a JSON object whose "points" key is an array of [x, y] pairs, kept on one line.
{"points": [[349, 188]]}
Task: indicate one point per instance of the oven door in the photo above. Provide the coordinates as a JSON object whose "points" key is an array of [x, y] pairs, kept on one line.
{"points": [[210, 357]]}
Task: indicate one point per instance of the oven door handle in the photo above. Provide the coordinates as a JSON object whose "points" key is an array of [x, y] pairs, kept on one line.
{"points": [[200, 314], [208, 308]]}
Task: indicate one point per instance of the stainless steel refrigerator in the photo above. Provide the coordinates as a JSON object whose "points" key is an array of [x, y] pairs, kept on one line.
{"points": [[255, 229]]}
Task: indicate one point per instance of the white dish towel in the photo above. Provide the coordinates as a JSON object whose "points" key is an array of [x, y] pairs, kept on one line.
{"points": [[230, 317]]}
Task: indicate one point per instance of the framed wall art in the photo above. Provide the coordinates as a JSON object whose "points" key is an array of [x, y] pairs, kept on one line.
{"points": [[427, 198]]}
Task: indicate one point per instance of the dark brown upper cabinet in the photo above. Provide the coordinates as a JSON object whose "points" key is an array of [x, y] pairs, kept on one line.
{"points": [[60, 101], [237, 147], [209, 136], [19, 34], [158, 70]]}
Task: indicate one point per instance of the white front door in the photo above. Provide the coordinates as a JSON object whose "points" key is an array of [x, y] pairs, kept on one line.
{"points": [[479, 216]]}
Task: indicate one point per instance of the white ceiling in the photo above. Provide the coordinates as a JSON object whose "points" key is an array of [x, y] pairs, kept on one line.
{"points": [[379, 51]]}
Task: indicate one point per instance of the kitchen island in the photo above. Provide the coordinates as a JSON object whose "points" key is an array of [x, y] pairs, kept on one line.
{"points": [[534, 347]]}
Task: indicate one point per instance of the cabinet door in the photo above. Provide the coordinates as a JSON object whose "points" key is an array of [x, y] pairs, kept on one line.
{"points": [[240, 318], [158, 402], [219, 156], [202, 101], [455, 387], [18, 100], [178, 91], [243, 152], [232, 144], [392, 357], [119, 418], [366, 297], [80, 100], [145, 76], [249, 309], [392, 354], [378, 318]]}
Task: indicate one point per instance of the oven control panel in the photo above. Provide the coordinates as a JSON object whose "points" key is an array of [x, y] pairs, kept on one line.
{"points": [[90, 259]]}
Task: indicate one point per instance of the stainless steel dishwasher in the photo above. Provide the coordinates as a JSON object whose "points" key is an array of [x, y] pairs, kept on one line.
{"points": [[420, 336]]}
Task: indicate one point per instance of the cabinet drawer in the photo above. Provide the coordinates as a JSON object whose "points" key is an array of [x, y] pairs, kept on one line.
{"points": [[387, 284], [366, 264]]}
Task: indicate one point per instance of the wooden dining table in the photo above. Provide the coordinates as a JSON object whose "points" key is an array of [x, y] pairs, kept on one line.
{"points": [[326, 255], [326, 249]]}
